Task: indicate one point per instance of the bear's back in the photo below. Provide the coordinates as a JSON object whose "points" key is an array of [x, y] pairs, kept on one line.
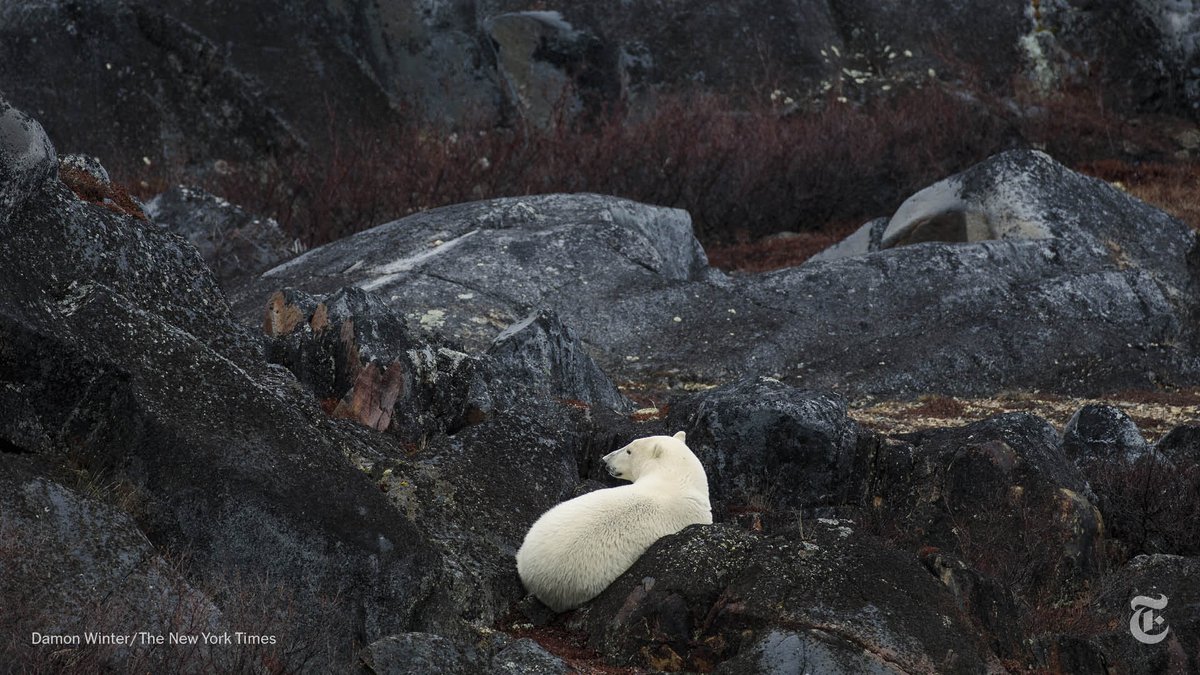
{"points": [[579, 547]]}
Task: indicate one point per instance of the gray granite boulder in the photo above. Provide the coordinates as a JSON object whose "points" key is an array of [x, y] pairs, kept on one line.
{"points": [[234, 243], [1102, 298], [541, 357], [769, 446], [472, 270], [1102, 433], [27, 158], [836, 599]]}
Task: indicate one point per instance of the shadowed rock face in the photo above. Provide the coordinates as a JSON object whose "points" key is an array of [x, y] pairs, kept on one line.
{"points": [[87, 557], [143, 83], [233, 467], [1170, 577], [991, 487], [234, 244], [195, 82], [1103, 296]]}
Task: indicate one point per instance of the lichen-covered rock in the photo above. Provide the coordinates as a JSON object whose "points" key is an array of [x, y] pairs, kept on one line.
{"points": [[27, 158], [767, 445], [362, 362], [526, 657], [472, 270], [234, 243], [540, 357], [1026, 195], [88, 164], [1102, 433], [1104, 302], [714, 596], [116, 336]]}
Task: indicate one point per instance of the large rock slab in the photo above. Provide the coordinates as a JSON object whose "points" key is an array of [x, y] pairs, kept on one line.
{"points": [[1076, 288], [834, 599], [472, 270]]}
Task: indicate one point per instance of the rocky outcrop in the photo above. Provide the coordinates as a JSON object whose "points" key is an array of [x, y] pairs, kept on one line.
{"points": [[539, 357], [832, 600], [192, 84], [157, 87], [233, 243], [1089, 291], [359, 467], [27, 158], [768, 446], [362, 363], [1163, 586], [123, 354], [991, 489]]}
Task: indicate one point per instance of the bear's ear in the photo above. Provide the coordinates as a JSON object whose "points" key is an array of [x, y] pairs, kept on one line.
{"points": [[680, 436], [658, 451]]}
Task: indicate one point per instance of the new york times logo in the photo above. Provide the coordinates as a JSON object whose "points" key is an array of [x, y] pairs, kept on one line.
{"points": [[1144, 619]]}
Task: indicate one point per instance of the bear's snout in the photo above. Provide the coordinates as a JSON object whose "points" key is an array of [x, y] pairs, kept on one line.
{"points": [[607, 460]]}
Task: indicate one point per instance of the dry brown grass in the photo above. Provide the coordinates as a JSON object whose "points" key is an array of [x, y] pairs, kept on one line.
{"points": [[743, 170], [570, 646], [1170, 186], [88, 188], [776, 251], [1156, 413]]}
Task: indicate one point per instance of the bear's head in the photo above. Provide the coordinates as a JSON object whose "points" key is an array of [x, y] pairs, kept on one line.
{"points": [[652, 454]]}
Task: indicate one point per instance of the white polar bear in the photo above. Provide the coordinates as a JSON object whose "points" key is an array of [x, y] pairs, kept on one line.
{"points": [[576, 549]]}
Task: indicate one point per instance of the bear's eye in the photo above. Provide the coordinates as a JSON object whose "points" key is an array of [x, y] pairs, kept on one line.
{"points": [[629, 452]]}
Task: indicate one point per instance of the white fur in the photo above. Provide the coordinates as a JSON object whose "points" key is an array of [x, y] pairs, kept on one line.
{"points": [[576, 549]]}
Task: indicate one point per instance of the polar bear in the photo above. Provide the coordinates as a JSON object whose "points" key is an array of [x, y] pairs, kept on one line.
{"points": [[576, 549]]}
